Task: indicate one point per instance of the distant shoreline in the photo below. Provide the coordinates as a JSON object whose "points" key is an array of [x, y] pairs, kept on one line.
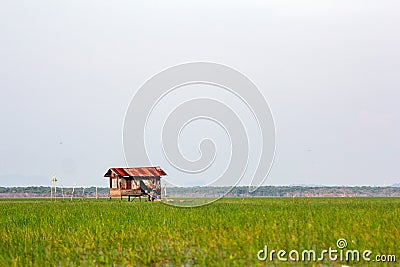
{"points": [[194, 192]]}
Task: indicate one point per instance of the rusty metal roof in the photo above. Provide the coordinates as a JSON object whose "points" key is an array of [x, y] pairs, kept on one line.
{"points": [[143, 172]]}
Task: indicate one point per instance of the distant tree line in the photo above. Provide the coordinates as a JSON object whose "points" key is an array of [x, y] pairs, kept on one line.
{"points": [[284, 191], [240, 191], [45, 191]]}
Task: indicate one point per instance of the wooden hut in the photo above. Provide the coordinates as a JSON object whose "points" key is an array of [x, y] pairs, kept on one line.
{"points": [[135, 182]]}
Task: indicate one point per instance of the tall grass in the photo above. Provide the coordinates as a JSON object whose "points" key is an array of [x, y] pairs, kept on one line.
{"points": [[228, 232]]}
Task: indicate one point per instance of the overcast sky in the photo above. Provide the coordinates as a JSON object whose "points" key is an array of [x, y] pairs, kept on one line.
{"points": [[330, 71]]}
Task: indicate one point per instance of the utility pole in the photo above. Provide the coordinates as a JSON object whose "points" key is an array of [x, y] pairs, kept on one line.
{"points": [[72, 193], [53, 182], [62, 191]]}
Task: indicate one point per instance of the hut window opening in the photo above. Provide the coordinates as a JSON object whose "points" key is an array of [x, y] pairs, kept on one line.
{"points": [[114, 183]]}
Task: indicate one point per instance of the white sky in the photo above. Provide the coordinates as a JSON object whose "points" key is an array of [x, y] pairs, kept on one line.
{"points": [[330, 71]]}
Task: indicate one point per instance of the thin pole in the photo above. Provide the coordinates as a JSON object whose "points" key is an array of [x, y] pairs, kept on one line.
{"points": [[53, 182], [73, 189]]}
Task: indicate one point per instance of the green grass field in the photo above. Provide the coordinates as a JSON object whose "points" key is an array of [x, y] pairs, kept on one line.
{"points": [[229, 232]]}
